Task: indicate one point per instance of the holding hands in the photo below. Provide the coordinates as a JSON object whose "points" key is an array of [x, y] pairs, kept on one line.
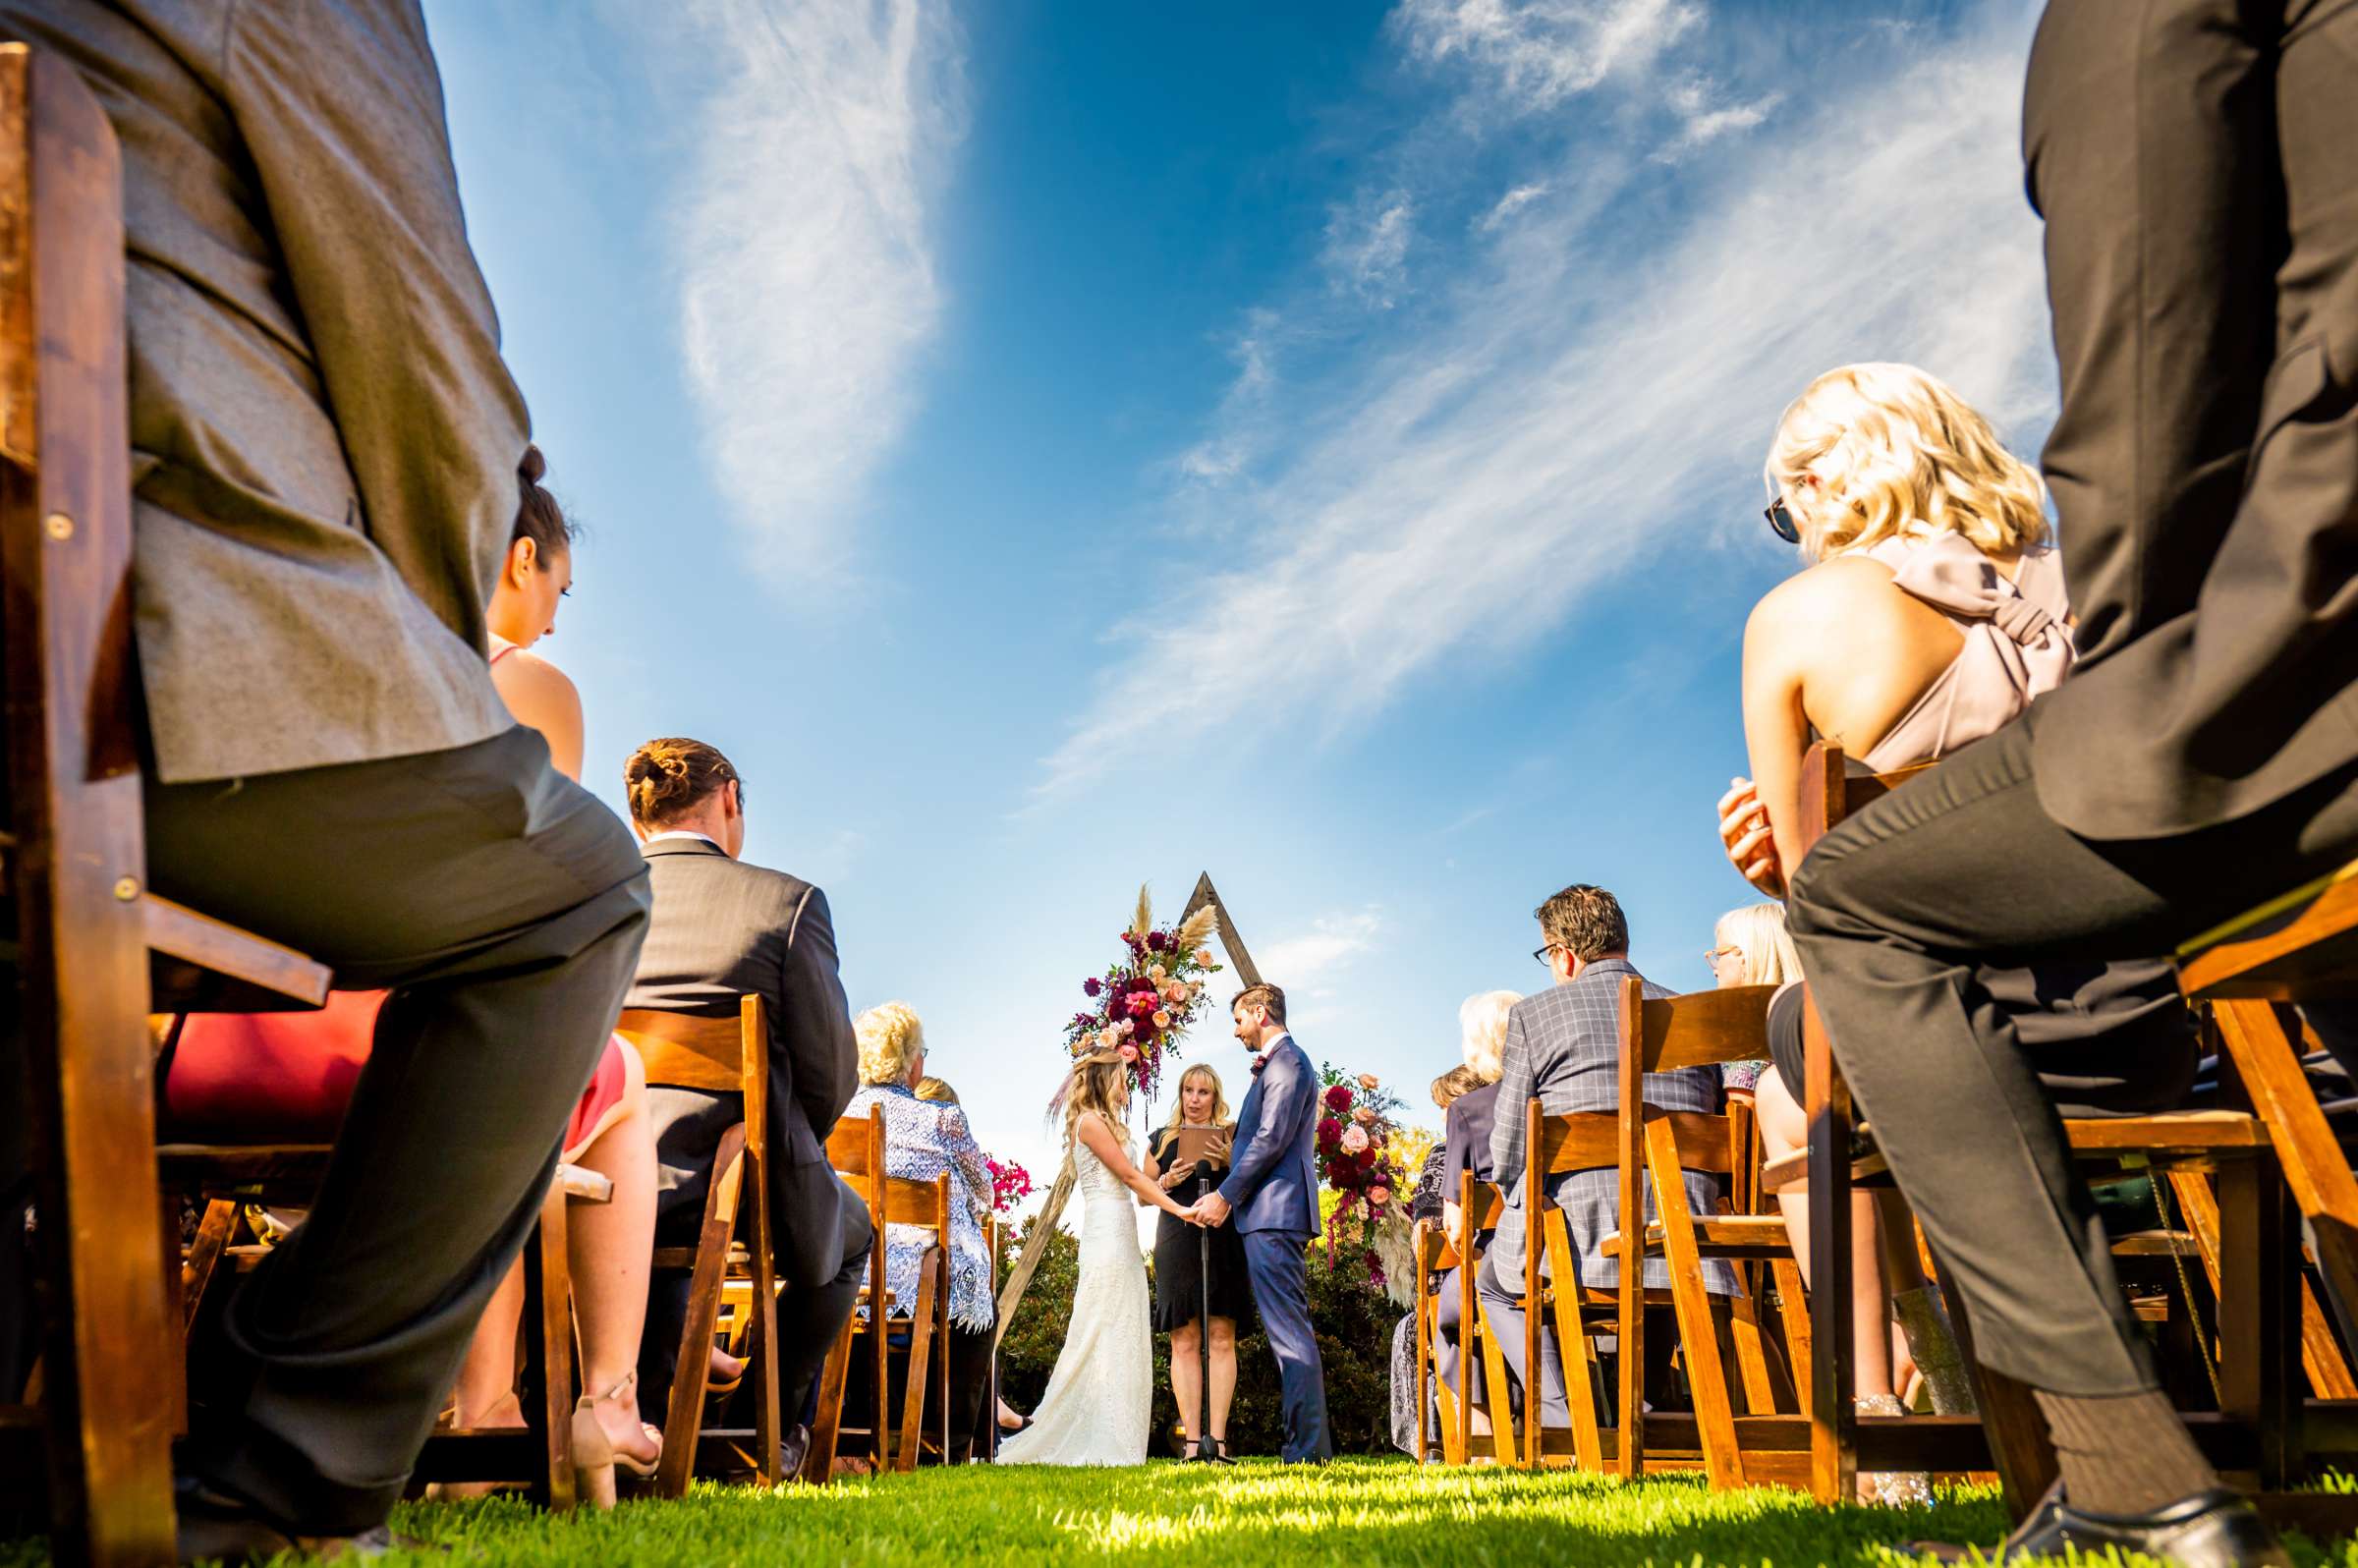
{"points": [[1209, 1210]]}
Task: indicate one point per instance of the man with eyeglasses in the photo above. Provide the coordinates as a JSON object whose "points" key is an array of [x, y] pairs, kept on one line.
{"points": [[1563, 1049]]}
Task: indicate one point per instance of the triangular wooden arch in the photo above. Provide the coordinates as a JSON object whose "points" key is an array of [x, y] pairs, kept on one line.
{"points": [[1020, 1277]]}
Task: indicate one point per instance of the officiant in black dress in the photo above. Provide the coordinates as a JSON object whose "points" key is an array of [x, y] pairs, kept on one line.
{"points": [[1179, 1255]]}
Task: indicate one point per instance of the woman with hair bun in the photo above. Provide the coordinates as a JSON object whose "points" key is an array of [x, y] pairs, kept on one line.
{"points": [[291, 1073]]}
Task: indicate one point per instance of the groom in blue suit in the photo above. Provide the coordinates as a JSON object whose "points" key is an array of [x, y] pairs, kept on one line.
{"points": [[1273, 1193]]}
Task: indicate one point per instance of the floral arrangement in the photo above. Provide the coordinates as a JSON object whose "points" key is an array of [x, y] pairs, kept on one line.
{"points": [[1010, 1184], [1143, 1004], [1358, 1160]]}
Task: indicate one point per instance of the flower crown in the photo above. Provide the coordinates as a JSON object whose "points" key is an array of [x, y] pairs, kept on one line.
{"points": [[1145, 1002]]}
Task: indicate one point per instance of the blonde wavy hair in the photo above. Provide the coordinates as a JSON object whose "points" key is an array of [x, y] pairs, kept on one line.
{"points": [[1100, 1083], [1481, 1031], [1873, 452], [891, 1037], [1757, 931], [1219, 1099]]}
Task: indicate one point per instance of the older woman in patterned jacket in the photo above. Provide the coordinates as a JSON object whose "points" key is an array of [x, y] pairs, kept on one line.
{"points": [[923, 1139]]}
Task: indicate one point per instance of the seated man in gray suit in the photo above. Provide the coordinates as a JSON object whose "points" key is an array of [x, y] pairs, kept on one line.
{"points": [[324, 448], [1563, 1046], [723, 929]]}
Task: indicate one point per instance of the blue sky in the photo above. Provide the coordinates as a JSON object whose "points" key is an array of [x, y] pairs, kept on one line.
{"points": [[1056, 446]]}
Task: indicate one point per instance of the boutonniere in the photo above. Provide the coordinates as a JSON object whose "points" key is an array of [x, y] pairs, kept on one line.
{"points": [[1260, 1062]]}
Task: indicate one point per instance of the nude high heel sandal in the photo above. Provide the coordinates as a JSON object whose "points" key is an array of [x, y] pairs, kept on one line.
{"points": [[594, 1455]]}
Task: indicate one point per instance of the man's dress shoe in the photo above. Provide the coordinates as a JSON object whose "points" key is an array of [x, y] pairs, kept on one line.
{"points": [[215, 1527], [2212, 1529]]}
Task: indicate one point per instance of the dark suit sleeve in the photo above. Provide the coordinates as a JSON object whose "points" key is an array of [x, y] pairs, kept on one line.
{"points": [[1509, 1110], [1286, 1093], [341, 108], [813, 1020]]}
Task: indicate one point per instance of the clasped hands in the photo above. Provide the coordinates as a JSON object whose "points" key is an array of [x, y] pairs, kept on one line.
{"points": [[1209, 1210]]}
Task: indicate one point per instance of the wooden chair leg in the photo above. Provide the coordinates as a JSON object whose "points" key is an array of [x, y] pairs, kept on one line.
{"points": [[2011, 1424], [548, 1352], [1793, 1312], [1572, 1349], [921, 1348], [2252, 1034], [1504, 1446], [1698, 1333], [1422, 1350], [2258, 1322], [684, 1415], [213, 1231], [1833, 1418], [819, 1462], [1751, 1346]]}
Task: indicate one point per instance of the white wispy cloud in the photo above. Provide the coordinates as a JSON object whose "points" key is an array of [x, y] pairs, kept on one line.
{"points": [[1541, 52], [1301, 961], [1224, 453], [1509, 204], [1367, 247], [1704, 115], [821, 133], [1593, 394]]}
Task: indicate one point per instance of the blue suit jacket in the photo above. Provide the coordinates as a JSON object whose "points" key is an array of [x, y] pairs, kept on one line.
{"points": [[1274, 1182]]}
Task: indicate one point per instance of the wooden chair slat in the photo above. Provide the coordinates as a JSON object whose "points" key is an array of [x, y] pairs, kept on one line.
{"points": [[208, 947], [2301, 945], [1704, 1029]]}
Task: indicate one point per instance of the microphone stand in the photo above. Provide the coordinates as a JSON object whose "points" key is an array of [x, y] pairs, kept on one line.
{"points": [[1206, 1451]]}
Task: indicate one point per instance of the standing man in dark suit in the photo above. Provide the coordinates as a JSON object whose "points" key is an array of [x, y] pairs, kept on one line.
{"points": [[722, 929], [324, 450], [1271, 1195], [1563, 1048], [2192, 159]]}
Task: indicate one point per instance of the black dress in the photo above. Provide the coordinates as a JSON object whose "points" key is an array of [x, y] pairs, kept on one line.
{"points": [[1178, 1256]]}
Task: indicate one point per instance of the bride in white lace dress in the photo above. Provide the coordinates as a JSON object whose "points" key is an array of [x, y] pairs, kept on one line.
{"points": [[1100, 1400]]}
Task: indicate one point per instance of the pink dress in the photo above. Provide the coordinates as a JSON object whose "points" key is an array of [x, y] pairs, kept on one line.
{"points": [[287, 1076]]}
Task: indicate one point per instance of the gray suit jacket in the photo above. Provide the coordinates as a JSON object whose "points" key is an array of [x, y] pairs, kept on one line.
{"points": [[722, 928], [324, 439], [1563, 1049]]}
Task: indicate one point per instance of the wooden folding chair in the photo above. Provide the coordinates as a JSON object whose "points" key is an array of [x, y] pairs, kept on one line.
{"points": [[1481, 1203], [927, 1355], [2234, 1166], [856, 1152], [1704, 1029], [225, 1178], [93, 944], [721, 1056]]}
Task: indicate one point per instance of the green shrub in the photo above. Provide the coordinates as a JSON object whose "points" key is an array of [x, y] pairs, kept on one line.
{"points": [[1353, 1323]]}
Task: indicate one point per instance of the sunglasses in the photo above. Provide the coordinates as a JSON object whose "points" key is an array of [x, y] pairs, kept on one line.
{"points": [[1780, 521]]}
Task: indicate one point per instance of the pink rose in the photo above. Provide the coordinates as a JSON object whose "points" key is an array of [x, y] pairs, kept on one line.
{"points": [[1355, 1139], [1364, 1116], [1158, 974], [1380, 1195], [1129, 1054], [1163, 1020]]}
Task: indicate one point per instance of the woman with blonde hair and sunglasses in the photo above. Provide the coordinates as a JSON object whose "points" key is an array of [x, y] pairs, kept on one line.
{"points": [[1928, 614]]}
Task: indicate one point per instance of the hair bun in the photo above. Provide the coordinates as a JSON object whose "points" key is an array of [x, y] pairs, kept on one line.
{"points": [[532, 466], [670, 775]]}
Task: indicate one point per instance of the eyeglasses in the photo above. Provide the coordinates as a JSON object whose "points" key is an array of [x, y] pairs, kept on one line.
{"points": [[1712, 955], [1540, 953]]}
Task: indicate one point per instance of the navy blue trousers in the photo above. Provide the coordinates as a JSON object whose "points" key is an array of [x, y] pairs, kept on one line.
{"points": [[1281, 1295]]}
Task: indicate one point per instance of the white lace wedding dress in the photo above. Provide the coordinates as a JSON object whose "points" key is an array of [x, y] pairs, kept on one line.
{"points": [[1100, 1398]]}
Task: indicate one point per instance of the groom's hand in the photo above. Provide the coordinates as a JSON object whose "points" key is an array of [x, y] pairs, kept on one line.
{"points": [[1211, 1210]]}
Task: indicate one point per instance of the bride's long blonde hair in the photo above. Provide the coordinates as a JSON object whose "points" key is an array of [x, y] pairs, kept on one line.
{"points": [[1100, 1084]]}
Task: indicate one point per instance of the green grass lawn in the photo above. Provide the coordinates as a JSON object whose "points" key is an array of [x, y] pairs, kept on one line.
{"points": [[1356, 1512]]}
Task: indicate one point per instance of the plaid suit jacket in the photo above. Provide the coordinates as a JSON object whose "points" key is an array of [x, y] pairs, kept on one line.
{"points": [[1563, 1045]]}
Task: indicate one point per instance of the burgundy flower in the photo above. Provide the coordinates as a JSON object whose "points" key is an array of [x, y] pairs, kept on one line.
{"points": [[1331, 1133], [1338, 1098], [1092, 987]]}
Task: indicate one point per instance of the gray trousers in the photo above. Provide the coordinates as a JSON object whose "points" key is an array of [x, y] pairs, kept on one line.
{"points": [[503, 906], [1892, 913]]}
